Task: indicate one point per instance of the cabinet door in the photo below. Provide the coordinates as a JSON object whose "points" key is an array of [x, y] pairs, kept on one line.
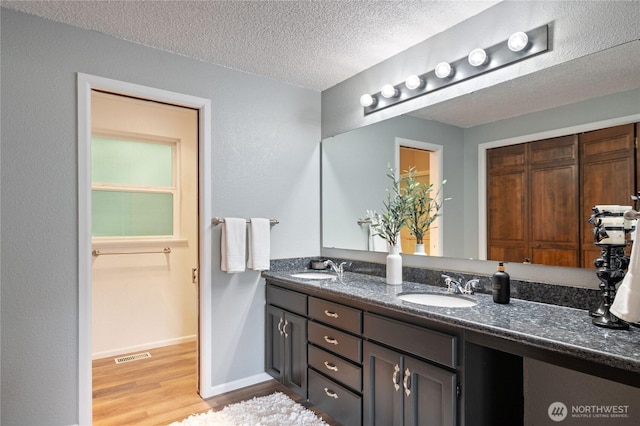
{"points": [[608, 177], [430, 394], [274, 342], [286, 349], [382, 394], [295, 353], [507, 204], [554, 201]]}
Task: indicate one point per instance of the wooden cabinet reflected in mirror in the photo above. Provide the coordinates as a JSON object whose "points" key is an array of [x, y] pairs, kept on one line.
{"points": [[540, 194]]}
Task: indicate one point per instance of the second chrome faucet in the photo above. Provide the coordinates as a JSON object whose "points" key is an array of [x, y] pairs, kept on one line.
{"points": [[460, 287]]}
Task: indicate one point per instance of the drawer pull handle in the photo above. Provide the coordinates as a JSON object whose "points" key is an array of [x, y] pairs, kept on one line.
{"points": [[330, 393], [280, 327], [331, 340], [330, 314], [284, 328], [394, 377], [407, 382], [331, 367]]}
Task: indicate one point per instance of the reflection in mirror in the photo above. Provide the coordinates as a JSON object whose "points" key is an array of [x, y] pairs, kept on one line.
{"points": [[425, 162], [354, 180], [355, 165]]}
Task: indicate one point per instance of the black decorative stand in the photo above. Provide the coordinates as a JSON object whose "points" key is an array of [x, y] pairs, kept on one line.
{"points": [[610, 271]]}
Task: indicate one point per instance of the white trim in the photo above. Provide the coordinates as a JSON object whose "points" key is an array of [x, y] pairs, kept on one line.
{"points": [[436, 166], [482, 163], [87, 82], [144, 346], [238, 384]]}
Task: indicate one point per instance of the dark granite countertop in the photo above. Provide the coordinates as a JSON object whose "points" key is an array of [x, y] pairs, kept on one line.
{"points": [[561, 330]]}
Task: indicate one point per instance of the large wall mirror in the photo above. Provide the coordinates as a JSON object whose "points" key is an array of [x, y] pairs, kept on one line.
{"points": [[354, 164]]}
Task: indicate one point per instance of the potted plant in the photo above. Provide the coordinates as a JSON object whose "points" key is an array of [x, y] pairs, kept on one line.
{"points": [[388, 225], [422, 208]]}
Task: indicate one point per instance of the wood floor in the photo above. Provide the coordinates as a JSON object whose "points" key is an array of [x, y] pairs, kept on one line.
{"points": [[162, 389]]}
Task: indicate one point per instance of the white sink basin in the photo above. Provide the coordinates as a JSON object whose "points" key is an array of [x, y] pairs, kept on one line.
{"points": [[314, 275], [441, 300]]}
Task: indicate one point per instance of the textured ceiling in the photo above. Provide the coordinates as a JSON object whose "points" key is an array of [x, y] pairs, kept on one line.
{"points": [[311, 44]]}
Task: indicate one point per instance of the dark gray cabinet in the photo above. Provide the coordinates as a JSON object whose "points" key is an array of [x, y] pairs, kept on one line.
{"points": [[286, 339], [403, 390], [412, 380], [382, 386], [335, 360], [358, 367]]}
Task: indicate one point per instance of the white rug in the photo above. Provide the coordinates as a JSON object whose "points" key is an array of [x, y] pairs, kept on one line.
{"points": [[276, 409]]}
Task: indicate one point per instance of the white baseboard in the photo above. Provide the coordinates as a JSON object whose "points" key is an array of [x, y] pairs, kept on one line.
{"points": [[237, 384], [145, 346]]}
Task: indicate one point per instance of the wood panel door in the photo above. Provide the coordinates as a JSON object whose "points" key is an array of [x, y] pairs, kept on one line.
{"points": [[554, 200], [608, 176], [507, 204], [533, 201]]}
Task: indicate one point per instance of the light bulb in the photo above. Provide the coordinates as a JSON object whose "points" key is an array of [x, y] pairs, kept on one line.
{"points": [[443, 70], [367, 100], [413, 82], [477, 57], [518, 41], [388, 91]]}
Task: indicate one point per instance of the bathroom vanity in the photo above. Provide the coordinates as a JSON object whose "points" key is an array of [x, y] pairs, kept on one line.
{"points": [[372, 358]]}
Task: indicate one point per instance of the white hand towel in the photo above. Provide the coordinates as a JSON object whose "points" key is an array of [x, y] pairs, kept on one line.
{"points": [[259, 244], [626, 305], [233, 246], [376, 242]]}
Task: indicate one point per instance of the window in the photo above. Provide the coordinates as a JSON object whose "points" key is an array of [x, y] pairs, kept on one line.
{"points": [[134, 190]]}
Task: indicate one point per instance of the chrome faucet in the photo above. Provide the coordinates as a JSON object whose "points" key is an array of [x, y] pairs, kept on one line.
{"points": [[459, 287], [338, 269]]}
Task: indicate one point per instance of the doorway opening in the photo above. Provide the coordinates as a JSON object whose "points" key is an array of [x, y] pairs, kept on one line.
{"points": [[426, 159], [202, 240]]}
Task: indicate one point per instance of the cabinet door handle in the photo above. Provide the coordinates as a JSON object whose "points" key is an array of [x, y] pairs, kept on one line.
{"points": [[330, 366], [330, 393], [330, 314], [407, 382], [280, 327], [331, 340], [284, 328], [394, 377]]}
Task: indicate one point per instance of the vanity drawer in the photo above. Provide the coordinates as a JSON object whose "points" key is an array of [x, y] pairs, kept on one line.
{"points": [[336, 315], [341, 404], [422, 342], [335, 367], [335, 341], [290, 300]]}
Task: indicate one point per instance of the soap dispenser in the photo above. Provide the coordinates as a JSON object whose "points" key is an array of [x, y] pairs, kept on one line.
{"points": [[501, 285]]}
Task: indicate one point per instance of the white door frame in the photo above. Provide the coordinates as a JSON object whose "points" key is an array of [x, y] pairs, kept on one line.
{"points": [[436, 167], [86, 83]]}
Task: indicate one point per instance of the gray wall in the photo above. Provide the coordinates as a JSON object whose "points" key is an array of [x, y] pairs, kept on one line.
{"points": [[265, 138]]}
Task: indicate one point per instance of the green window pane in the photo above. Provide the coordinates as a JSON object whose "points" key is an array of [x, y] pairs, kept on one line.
{"points": [[130, 214], [119, 161]]}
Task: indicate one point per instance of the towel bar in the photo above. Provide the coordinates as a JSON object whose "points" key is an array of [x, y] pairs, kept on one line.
{"points": [[217, 221], [97, 253]]}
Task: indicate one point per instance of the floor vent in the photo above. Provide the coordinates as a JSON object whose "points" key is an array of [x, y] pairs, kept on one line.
{"points": [[129, 358]]}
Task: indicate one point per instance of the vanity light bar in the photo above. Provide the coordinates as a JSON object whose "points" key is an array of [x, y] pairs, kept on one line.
{"points": [[497, 56]]}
